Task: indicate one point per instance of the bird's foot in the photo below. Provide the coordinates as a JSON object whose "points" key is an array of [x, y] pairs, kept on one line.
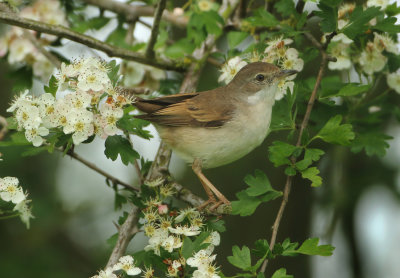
{"points": [[216, 207]]}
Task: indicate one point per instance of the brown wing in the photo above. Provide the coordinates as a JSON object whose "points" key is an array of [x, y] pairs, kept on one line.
{"points": [[191, 109]]}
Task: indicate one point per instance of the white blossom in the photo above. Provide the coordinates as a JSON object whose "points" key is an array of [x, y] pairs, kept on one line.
{"points": [[19, 49], [185, 230], [126, 263], [25, 213], [111, 115], [371, 59], [80, 123], [10, 191], [283, 85], [341, 52], [378, 3], [393, 81], [108, 273], [384, 42], [171, 243], [189, 213], [201, 259], [231, 68], [22, 98], [34, 135], [93, 80], [28, 115]]}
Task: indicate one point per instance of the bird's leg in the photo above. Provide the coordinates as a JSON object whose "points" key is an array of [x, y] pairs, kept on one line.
{"points": [[208, 187]]}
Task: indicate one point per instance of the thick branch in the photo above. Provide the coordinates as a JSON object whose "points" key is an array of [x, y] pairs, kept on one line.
{"points": [[61, 31], [154, 31], [132, 12], [303, 126]]}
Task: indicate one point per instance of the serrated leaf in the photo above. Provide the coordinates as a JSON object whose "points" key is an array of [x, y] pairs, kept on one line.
{"points": [[118, 145], [392, 10], [258, 184], [179, 49], [280, 152], [374, 143], [286, 248], [216, 225], [95, 23], [310, 155], [311, 247], [261, 248], [34, 151], [246, 205], [285, 8], [359, 19], [281, 273], [113, 72], [240, 258], [312, 175], [190, 247], [262, 18], [335, 133], [53, 86], [235, 38], [329, 16], [149, 259], [353, 89], [134, 126], [388, 25]]}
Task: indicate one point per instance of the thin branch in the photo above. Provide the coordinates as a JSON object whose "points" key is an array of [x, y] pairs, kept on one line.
{"points": [[154, 31], [92, 166], [125, 234], [303, 126], [135, 11], [4, 128], [110, 50]]}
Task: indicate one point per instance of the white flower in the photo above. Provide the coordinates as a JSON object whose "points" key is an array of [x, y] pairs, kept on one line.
{"points": [[208, 271], [134, 74], [111, 115], [156, 240], [204, 5], [171, 243], [189, 213], [24, 211], [93, 80], [276, 43], [78, 100], [346, 9], [372, 60], [291, 61], [214, 238], [341, 52], [10, 191], [34, 135], [342, 38], [185, 230], [79, 122], [393, 81], [378, 3], [155, 182], [283, 85], [126, 264], [230, 69], [22, 98], [108, 273], [42, 67], [173, 269], [201, 259], [384, 42], [28, 115], [19, 49]]}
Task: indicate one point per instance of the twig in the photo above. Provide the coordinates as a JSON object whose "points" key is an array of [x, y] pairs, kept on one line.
{"points": [[303, 126], [125, 234], [135, 11], [4, 127], [154, 31], [110, 50], [92, 166]]}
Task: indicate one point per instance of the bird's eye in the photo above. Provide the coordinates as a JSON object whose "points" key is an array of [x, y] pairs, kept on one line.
{"points": [[260, 77]]}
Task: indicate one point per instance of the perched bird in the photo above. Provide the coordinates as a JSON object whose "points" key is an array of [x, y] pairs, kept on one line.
{"points": [[213, 128]]}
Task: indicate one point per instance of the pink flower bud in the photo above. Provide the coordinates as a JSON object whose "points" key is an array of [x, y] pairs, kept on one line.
{"points": [[162, 209]]}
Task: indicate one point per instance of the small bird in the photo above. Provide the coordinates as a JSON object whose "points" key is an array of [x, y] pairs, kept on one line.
{"points": [[216, 127]]}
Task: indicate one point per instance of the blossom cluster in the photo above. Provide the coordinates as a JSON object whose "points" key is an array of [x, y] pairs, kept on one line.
{"points": [[10, 191], [371, 59], [277, 52], [125, 264], [88, 104], [21, 50]]}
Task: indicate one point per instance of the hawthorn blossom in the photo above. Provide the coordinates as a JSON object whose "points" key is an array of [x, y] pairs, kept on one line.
{"points": [[19, 49], [125, 263], [18, 100], [200, 259], [230, 69], [10, 191], [341, 52], [188, 213], [378, 3], [80, 123], [384, 42], [173, 269], [171, 243], [95, 81], [25, 213], [111, 115], [393, 81], [35, 135], [185, 230], [28, 116], [108, 273], [371, 59], [204, 5]]}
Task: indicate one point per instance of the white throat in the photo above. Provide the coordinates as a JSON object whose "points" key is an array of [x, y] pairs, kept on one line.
{"points": [[267, 94]]}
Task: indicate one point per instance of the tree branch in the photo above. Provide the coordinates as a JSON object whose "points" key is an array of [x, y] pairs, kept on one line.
{"points": [[154, 30], [303, 126], [132, 12], [110, 50]]}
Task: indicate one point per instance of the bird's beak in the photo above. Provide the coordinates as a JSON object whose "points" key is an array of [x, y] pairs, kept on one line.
{"points": [[285, 73]]}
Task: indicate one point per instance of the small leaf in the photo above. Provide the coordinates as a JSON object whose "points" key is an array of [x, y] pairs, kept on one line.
{"points": [[329, 16], [281, 273], [258, 184], [262, 18], [134, 126], [279, 153], [113, 73], [353, 89], [309, 156], [312, 174], [119, 145], [53, 86], [235, 38], [388, 25], [374, 143], [240, 258], [359, 19], [246, 205], [311, 247], [335, 133], [261, 248]]}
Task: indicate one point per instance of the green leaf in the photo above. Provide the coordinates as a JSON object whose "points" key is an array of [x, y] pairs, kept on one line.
{"points": [[312, 174], [286, 248], [149, 259], [388, 25], [34, 151], [353, 89], [190, 247], [179, 49], [281, 273], [392, 10], [17, 139], [246, 205], [260, 275], [359, 19], [374, 143], [329, 16], [119, 145], [216, 225], [282, 114], [279, 153], [311, 247], [258, 184], [241, 258], [262, 18], [285, 7], [261, 248], [235, 38], [21, 78], [310, 155], [96, 23], [134, 126], [53, 86], [335, 133]]}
